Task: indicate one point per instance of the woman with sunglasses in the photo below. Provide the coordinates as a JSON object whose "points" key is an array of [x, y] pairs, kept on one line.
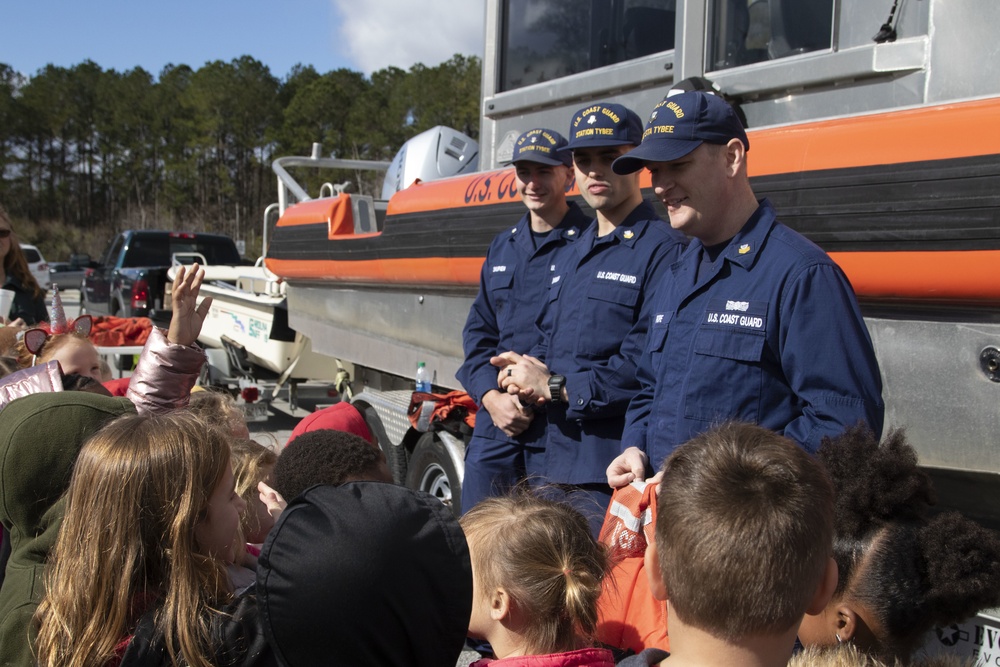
{"points": [[29, 298]]}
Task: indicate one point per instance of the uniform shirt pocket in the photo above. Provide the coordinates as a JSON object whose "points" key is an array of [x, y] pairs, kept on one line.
{"points": [[501, 295], [554, 289], [656, 338], [724, 381], [607, 316]]}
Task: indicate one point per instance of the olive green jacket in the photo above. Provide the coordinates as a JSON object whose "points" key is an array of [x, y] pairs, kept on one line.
{"points": [[40, 438]]}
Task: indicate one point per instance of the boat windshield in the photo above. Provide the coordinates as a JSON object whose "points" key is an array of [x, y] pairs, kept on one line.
{"points": [[741, 32], [544, 40]]}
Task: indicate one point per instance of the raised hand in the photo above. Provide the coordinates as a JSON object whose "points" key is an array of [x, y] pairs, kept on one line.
{"points": [[188, 315]]}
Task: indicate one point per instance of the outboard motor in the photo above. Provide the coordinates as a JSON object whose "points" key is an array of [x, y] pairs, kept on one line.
{"points": [[436, 153]]}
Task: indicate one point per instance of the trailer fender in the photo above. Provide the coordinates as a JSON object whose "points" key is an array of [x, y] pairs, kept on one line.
{"points": [[397, 456]]}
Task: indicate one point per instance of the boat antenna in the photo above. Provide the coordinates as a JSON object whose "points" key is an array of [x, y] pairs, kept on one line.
{"points": [[887, 33]]}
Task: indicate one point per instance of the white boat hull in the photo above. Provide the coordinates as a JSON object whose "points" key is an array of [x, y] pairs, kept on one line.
{"points": [[248, 318]]}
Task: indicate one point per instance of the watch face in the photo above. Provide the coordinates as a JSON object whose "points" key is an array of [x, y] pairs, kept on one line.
{"points": [[556, 384]]}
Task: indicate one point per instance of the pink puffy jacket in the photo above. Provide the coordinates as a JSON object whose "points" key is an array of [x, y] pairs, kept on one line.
{"points": [[34, 380], [161, 382]]}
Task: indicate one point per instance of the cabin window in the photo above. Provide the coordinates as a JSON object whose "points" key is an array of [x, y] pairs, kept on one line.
{"points": [[741, 32], [544, 40]]}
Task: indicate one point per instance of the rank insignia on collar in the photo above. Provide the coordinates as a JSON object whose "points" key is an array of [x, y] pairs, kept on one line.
{"points": [[744, 249], [628, 234], [514, 231], [571, 232]]}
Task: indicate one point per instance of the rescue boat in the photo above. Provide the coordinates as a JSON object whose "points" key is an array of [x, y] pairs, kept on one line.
{"points": [[906, 219]]}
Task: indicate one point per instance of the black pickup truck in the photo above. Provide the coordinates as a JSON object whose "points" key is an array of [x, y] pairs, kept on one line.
{"points": [[129, 279]]}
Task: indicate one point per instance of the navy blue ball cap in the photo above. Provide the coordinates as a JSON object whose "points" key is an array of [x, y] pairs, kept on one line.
{"points": [[678, 125], [543, 146], [604, 124]]}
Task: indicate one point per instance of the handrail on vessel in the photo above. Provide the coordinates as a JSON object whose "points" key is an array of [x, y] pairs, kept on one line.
{"points": [[287, 184]]}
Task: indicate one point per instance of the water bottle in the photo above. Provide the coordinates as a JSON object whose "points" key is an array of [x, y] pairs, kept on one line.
{"points": [[423, 378]]}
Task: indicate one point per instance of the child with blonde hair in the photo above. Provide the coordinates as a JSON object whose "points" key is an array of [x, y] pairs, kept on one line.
{"points": [[168, 365], [218, 407], [537, 574], [73, 350], [848, 655], [138, 572], [253, 463]]}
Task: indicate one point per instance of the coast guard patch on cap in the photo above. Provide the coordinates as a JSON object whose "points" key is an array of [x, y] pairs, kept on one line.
{"points": [[605, 124], [541, 145]]}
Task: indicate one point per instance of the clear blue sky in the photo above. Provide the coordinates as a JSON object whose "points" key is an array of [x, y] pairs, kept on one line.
{"points": [[328, 34]]}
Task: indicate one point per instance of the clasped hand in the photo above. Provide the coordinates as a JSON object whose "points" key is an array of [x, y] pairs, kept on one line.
{"points": [[524, 376]]}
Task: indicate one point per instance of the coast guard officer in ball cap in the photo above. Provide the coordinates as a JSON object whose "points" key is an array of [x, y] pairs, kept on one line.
{"points": [[754, 322], [513, 287], [595, 326]]}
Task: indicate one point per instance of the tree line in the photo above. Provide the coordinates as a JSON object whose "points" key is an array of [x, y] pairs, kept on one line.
{"points": [[86, 152]]}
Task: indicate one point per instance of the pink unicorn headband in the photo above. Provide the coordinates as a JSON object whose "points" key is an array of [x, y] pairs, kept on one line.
{"points": [[35, 338]]}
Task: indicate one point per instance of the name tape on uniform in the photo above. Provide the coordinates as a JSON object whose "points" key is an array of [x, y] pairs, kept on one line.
{"points": [[617, 277], [735, 313]]}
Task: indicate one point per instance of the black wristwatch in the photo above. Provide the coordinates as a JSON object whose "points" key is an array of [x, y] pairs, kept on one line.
{"points": [[556, 384]]}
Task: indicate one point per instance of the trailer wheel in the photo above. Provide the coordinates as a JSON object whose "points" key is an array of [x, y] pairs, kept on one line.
{"points": [[431, 470], [395, 455]]}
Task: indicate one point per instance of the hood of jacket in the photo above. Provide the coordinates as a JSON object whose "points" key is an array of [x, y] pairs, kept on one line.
{"points": [[365, 574]]}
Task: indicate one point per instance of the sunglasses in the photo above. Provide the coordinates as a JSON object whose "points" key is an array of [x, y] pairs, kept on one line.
{"points": [[5, 233]]}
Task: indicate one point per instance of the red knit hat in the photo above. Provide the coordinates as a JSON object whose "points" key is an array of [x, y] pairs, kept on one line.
{"points": [[337, 417]]}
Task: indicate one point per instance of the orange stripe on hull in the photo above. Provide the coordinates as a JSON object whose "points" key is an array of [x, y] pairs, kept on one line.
{"points": [[928, 133], [916, 135], [483, 189], [440, 271], [972, 276], [910, 136], [967, 275]]}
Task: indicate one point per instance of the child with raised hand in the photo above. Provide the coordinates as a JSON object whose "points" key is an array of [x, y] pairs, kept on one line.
{"points": [[138, 572], [170, 361], [902, 570], [537, 574]]}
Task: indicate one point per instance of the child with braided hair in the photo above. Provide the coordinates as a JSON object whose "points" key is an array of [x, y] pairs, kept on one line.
{"points": [[537, 574], [902, 570]]}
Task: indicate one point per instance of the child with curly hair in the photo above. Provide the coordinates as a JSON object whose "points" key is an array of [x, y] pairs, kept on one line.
{"points": [[902, 570]]}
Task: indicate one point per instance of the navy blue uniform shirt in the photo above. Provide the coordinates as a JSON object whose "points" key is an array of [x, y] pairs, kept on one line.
{"points": [[594, 330], [771, 333], [513, 286]]}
